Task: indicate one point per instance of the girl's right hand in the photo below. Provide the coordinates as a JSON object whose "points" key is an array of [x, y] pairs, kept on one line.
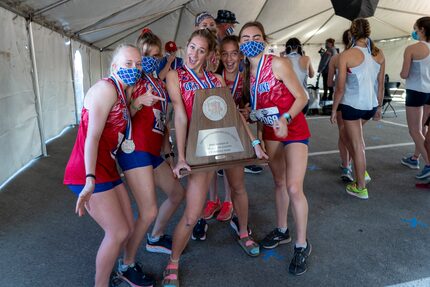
{"points": [[84, 197], [148, 99], [181, 164]]}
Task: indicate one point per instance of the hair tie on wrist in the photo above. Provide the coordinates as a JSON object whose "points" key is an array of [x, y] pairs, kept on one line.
{"points": [[255, 142], [90, 175]]}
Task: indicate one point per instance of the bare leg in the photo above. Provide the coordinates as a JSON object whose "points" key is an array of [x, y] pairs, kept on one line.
{"points": [[355, 138], [414, 116], [296, 158], [277, 165], [175, 193], [236, 176], [106, 210], [141, 182]]}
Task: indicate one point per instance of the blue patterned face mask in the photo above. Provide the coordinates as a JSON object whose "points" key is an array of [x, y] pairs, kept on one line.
{"points": [[230, 30], [129, 75], [252, 48], [415, 36], [149, 64]]}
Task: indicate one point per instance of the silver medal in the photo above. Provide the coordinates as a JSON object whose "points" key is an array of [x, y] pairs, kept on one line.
{"points": [[253, 115], [128, 146]]}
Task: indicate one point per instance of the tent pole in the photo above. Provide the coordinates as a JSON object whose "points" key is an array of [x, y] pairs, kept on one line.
{"points": [[36, 88], [179, 23], [261, 10], [391, 25], [73, 79], [401, 11], [50, 7]]}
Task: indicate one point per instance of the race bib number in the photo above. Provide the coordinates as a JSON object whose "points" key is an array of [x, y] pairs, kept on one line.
{"points": [[268, 116], [158, 122]]}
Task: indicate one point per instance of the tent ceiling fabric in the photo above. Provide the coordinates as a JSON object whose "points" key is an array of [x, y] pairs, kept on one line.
{"points": [[104, 23]]}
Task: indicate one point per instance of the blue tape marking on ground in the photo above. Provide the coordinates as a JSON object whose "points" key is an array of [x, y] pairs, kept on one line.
{"points": [[414, 223], [379, 126], [271, 253], [375, 138], [313, 167]]}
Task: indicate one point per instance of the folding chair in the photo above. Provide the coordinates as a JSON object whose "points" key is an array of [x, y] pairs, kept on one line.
{"points": [[388, 98]]}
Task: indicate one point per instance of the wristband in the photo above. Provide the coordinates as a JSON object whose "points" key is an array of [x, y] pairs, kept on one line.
{"points": [[167, 155], [90, 175], [287, 116], [255, 142]]}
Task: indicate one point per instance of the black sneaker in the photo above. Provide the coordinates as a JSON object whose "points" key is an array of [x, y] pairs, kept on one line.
{"points": [[234, 223], [298, 264], [163, 245], [253, 169], [134, 276], [220, 172], [274, 238], [199, 230]]}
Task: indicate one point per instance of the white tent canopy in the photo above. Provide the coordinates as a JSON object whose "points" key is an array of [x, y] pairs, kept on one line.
{"points": [[40, 39]]}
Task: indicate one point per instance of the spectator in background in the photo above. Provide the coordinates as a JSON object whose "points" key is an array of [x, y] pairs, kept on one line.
{"points": [[225, 22], [169, 61], [323, 68], [204, 20]]}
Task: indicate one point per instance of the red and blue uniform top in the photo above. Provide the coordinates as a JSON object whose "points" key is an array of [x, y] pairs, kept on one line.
{"points": [[235, 89], [188, 85], [112, 135], [149, 122], [273, 100]]}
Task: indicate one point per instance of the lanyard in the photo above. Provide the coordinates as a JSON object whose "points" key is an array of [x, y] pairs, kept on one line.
{"points": [[197, 79], [257, 82], [161, 92], [235, 83], [127, 145]]}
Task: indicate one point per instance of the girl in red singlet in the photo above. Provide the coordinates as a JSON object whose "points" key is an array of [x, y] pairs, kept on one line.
{"points": [[277, 99], [91, 171], [144, 168], [181, 85]]}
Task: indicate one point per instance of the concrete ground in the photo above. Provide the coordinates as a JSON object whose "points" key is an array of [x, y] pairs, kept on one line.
{"points": [[379, 242]]}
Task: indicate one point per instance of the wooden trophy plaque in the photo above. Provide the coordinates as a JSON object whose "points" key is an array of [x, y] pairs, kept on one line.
{"points": [[217, 137]]}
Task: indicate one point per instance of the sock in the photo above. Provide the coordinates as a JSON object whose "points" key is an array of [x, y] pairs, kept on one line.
{"points": [[153, 239], [282, 229], [301, 245], [123, 267], [244, 235]]}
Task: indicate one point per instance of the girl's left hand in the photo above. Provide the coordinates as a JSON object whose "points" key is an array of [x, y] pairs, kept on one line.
{"points": [[260, 153], [280, 128]]}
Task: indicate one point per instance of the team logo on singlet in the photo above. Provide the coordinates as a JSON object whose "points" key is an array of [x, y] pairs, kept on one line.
{"points": [[214, 108], [192, 86], [262, 88]]}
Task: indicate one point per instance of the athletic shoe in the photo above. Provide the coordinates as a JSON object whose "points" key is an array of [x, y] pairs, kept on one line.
{"points": [[226, 211], [274, 238], [298, 264], [352, 189], [425, 172], [367, 177], [346, 175], [234, 223], [134, 275], [410, 162], [162, 245], [199, 230], [211, 208], [220, 172], [253, 169]]}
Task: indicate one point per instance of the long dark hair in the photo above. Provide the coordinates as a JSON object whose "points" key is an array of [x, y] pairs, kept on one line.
{"points": [[246, 93], [227, 39], [293, 44], [424, 23]]}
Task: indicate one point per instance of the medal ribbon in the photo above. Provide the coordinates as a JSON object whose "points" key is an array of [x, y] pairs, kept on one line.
{"points": [[128, 130], [235, 83], [197, 79], [257, 82], [161, 92]]}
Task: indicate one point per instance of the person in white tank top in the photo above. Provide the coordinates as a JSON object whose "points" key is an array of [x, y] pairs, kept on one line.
{"points": [[302, 65], [416, 71], [359, 90]]}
